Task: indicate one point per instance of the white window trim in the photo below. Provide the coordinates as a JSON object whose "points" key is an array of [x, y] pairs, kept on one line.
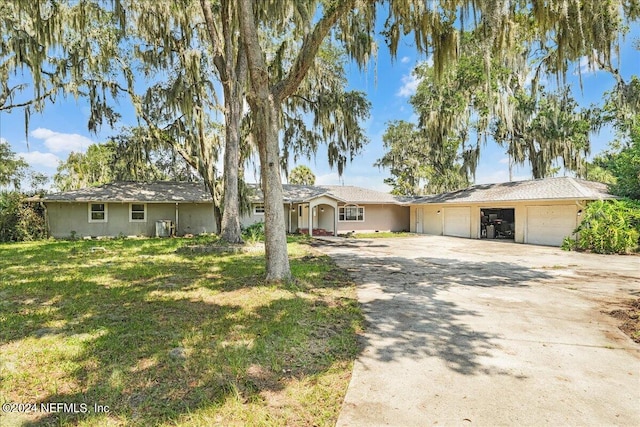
{"points": [[131, 212], [255, 209], [341, 211], [106, 212]]}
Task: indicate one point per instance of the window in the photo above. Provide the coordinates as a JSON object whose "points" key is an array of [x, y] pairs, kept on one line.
{"points": [[258, 209], [137, 212], [97, 212], [351, 213]]}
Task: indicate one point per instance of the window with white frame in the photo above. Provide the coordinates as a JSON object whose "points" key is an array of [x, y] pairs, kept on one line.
{"points": [[137, 212], [351, 213], [258, 209], [98, 212]]}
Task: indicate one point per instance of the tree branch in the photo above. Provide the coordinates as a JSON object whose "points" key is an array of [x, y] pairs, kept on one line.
{"points": [[310, 46], [218, 55], [4, 107]]}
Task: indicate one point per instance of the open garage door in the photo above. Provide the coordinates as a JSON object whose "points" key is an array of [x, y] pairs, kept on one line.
{"points": [[457, 222], [548, 225]]}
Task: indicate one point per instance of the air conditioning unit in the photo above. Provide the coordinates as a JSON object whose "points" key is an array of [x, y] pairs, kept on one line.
{"points": [[164, 228]]}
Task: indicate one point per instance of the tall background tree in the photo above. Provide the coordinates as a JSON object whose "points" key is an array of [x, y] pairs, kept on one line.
{"points": [[418, 166], [19, 219], [479, 99], [132, 155], [13, 169], [302, 175]]}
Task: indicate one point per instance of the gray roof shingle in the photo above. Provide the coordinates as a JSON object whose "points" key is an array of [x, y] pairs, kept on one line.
{"points": [[291, 193], [351, 194], [196, 192], [184, 192], [127, 191], [344, 193], [537, 189]]}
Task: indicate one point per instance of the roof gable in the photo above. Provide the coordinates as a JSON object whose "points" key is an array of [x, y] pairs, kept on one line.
{"points": [[352, 194]]}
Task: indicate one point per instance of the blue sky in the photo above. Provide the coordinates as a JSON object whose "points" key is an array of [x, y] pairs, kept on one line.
{"points": [[62, 127]]}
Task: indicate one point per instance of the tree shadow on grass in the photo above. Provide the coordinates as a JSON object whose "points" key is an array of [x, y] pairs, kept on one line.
{"points": [[155, 341], [409, 313]]}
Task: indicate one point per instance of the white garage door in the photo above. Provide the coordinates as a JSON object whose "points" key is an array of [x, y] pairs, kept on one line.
{"points": [[548, 225], [457, 222]]}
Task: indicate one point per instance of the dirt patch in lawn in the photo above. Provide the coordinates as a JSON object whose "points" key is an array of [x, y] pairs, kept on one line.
{"points": [[630, 318]]}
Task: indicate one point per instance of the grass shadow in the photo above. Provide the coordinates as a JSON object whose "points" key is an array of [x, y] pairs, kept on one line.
{"points": [[162, 338]]}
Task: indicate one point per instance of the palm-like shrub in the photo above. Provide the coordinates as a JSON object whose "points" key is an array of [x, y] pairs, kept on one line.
{"points": [[610, 226]]}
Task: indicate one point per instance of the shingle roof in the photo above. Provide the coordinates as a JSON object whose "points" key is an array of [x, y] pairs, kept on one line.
{"points": [[165, 191], [537, 189], [291, 193], [345, 193], [196, 192], [359, 195]]}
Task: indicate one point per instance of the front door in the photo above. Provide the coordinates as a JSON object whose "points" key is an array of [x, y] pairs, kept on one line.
{"points": [[419, 220]]}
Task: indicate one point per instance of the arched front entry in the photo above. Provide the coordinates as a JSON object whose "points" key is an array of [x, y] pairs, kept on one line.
{"points": [[319, 217]]}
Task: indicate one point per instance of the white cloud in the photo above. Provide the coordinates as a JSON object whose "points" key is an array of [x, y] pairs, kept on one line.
{"points": [[504, 161], [410, 81], [409, 86], [62, 142], [405, 59], [584, 67], [37, 158]]}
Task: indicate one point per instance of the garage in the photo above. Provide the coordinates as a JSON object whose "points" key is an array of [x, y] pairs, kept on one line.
{"points": [[497, 223], [539, 211], [549, 225], [457, 222]]}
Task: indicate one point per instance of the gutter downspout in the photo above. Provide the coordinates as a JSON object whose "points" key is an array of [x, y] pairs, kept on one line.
{"points": [[176, 228]]}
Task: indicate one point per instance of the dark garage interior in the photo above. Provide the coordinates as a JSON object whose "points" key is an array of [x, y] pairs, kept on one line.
{"points": [[497, 223]]}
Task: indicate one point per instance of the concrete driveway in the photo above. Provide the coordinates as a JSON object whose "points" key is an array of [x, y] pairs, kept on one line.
{"points": [[463, 332]]}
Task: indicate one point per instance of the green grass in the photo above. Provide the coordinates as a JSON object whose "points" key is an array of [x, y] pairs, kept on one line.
{"points": [[170, 338]]}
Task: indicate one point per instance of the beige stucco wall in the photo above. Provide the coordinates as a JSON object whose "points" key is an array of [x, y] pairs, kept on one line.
{"points": [[426, 219], [326, 218], [379, 218], [66, 217]]}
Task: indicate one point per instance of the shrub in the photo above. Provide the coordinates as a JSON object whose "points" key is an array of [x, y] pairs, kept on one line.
{"points": [[611, 226], [20, 220], [254, 233], [569, 244]]}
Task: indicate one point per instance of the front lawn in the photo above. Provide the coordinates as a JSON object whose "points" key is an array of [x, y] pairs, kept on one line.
{"points": [[171, 338]]}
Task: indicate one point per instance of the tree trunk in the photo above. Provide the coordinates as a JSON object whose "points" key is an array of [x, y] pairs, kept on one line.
{"points": [[230, 230], [265, 108], [277, 259], [231, 64]]}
